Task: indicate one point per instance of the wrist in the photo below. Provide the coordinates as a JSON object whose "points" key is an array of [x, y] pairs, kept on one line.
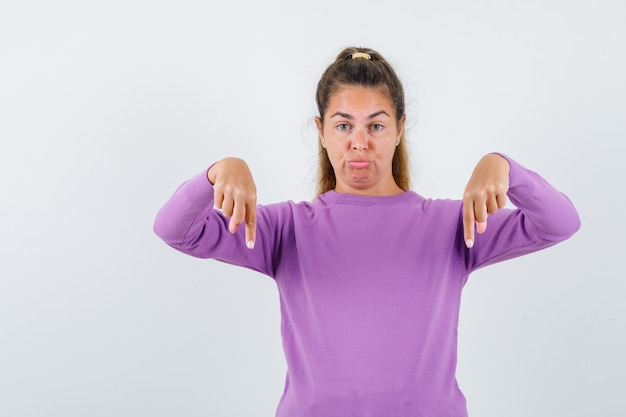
{"points": [[506, 164]]}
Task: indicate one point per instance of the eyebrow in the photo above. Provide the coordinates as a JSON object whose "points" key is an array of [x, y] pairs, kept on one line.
{"points": [[350, 117]]}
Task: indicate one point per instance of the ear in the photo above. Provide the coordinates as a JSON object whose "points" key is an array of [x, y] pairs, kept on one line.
{"points": [[320, 130], [400, 128]]}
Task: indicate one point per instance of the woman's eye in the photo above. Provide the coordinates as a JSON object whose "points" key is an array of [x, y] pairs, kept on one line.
{"points": [[377, 127], [343, 127]]}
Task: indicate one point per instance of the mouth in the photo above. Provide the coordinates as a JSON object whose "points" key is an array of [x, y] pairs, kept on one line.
{"points": [[359, 163]]}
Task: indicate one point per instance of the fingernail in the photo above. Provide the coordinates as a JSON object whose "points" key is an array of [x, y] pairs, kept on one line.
{"points": [[250, 244], [469, 243]]}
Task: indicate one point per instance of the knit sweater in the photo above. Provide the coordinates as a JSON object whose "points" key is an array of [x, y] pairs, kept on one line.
{"points": [[370, 287]]}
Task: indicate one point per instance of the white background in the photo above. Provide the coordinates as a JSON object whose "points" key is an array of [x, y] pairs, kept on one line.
{"points": [[105, 107]]}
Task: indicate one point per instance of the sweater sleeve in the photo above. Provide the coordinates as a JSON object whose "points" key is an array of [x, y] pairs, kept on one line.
{"points": [[543, 217], [189, 223]]}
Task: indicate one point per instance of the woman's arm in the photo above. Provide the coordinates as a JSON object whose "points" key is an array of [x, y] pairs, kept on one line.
{"points": [[227, 185], [543, 215], [202, 219]]}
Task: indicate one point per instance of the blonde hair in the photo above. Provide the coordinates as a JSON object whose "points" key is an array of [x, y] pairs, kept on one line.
{"points": [[367, 69]]}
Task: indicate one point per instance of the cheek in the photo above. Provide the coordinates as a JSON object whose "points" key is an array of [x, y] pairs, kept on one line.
{"points": [[333, 152], [335, 155], [335, 143]]}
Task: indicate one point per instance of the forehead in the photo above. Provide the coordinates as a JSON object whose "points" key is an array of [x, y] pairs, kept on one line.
{"points": [[356, 99]]}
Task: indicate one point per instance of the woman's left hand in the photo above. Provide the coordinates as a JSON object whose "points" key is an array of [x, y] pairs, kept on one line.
{"points": [[484, 194]]}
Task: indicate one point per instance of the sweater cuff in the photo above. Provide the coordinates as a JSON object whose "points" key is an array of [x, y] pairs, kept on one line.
{"points": [[199, 190]]}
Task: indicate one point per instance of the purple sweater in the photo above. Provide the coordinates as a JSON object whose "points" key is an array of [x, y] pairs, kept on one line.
{"points": [[370, 287]]}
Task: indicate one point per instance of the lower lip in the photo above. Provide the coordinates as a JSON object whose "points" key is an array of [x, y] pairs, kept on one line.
{"points": [[359, 164]]}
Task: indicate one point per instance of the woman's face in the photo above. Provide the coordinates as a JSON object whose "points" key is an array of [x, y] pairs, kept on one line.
{"points": [[360, 134]]}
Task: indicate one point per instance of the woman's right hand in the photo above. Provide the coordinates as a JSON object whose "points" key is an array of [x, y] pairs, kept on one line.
{"points": [[235, 195]]}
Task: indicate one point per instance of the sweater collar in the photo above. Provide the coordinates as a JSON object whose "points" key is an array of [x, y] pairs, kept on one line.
{"points": [[333, 197]]}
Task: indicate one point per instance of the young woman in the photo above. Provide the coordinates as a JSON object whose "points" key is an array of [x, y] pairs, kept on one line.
{"points": [[370, 274]]}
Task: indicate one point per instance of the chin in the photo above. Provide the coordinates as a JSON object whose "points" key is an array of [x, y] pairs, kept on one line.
{"points": [[360, 181]]}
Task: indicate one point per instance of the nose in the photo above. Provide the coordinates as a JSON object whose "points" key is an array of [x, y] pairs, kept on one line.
{"points": [[359, 141]]}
